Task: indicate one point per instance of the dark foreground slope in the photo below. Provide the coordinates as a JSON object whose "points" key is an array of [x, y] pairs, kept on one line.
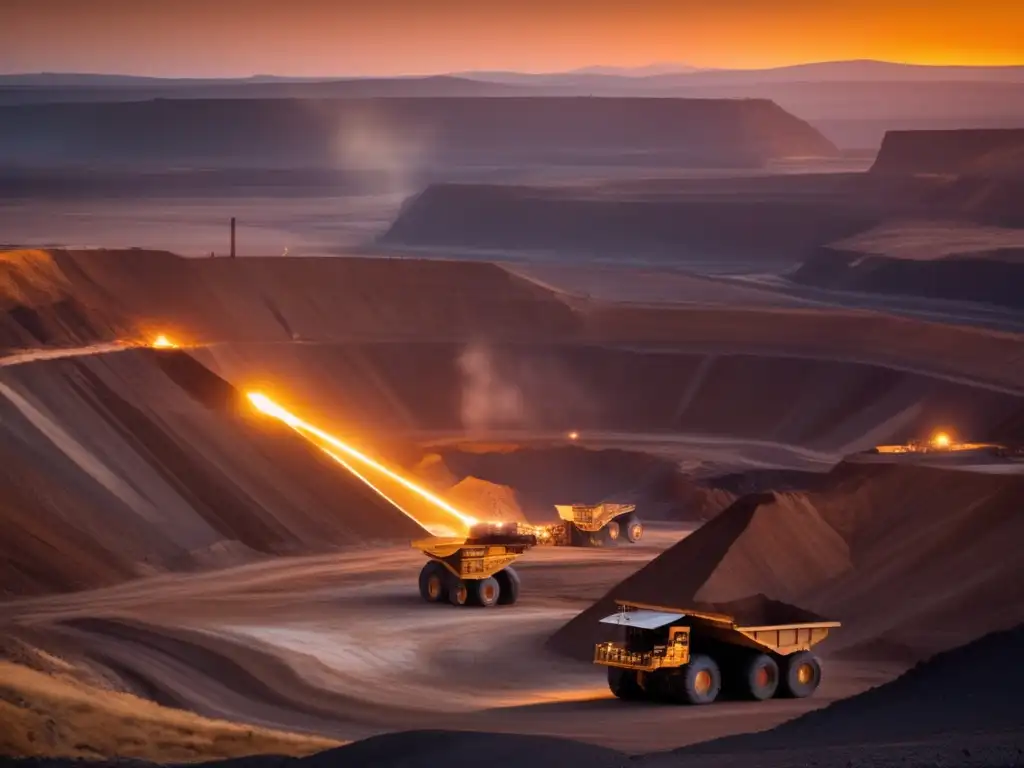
{"points": [[912, 560], [421, 131], [916, 706]]}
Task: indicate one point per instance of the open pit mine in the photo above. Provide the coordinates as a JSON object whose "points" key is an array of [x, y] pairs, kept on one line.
{"points": [[549, 465]]}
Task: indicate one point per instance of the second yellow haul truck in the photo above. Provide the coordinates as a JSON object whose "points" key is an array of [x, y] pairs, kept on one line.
{"points": [[693, 657]]}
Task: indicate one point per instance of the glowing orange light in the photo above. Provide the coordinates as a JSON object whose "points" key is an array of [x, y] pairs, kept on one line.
{"points": [[573, 435], [265, 405], [942, 440], [162, 342]]}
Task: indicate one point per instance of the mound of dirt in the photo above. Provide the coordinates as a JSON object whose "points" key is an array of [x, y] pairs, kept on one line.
{"points": [[966, 152], [544, 477], [432, 470], [118, 464], [991, 277], [724, 567], [422, 132], [485, 501], [912, 560], [653, 225]]}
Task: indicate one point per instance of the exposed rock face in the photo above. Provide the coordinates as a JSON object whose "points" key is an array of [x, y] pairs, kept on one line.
{"points": [[961, 153]]}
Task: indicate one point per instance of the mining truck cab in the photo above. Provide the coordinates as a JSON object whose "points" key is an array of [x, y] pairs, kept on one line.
{"points": [[597, 524], [475, 569], [688, 656]]}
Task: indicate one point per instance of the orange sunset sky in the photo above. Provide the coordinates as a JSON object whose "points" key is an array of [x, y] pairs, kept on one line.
{"points": [[209, 38]]}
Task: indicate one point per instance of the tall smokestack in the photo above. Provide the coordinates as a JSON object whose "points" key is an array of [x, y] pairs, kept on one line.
{"points": [[232, 237]]}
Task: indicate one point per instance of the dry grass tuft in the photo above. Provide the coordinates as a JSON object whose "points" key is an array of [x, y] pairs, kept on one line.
{"points": [[53, 715]]}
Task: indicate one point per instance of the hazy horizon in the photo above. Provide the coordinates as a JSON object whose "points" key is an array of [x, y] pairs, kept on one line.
{"points": [[648, 69], [386, 38]]}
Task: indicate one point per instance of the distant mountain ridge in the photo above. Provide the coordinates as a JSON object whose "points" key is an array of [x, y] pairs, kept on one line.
{"points": [[665, 73]]}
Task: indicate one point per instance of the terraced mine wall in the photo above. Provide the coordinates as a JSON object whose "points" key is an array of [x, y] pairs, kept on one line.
{"points": [[965, 152], [135, 461], [992, 277], [411, 132], [508, 219]]}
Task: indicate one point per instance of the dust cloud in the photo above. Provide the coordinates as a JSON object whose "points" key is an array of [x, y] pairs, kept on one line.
{"points": [[489, 399], [391, 157], [506, 391]]}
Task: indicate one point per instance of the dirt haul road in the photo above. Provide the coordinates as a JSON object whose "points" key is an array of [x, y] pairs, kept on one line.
{"points": [[343, 645]]}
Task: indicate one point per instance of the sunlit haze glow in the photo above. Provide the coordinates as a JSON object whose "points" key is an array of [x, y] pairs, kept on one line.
{"points": [[267, 406], [201, 38]]}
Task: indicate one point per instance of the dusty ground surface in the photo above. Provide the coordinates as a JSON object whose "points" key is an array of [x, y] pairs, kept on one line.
{"points": [[343, 645]]}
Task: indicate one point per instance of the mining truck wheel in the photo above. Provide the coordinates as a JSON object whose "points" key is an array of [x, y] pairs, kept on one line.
{"points": [[458, 592], [699, 682], [433, 582], [623, 683], [508, 584], [801, 676], [486, 592], [761, 677], [578, 538], [634, 529], [612, 531]]}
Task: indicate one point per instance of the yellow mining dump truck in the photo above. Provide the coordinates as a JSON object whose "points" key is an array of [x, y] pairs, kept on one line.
{"points": [[476, 570], [691, 657], [592, 525]]}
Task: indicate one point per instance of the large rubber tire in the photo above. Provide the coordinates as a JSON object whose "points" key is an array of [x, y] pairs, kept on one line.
{"points": [[760, 677], [699, 682], [434, 582], [459, 592], [623, 683], [486, 592], [633, 528], [612, 532], [578, 538], [801, 675], [508, 583]]}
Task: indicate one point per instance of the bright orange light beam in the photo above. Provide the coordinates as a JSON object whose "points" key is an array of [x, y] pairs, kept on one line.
{"points": [[372, 487], [265, 405]]}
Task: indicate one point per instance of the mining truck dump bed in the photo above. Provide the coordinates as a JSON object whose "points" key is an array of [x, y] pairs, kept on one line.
{"points": [[475, 570], [592, 525], [691, 655]]}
